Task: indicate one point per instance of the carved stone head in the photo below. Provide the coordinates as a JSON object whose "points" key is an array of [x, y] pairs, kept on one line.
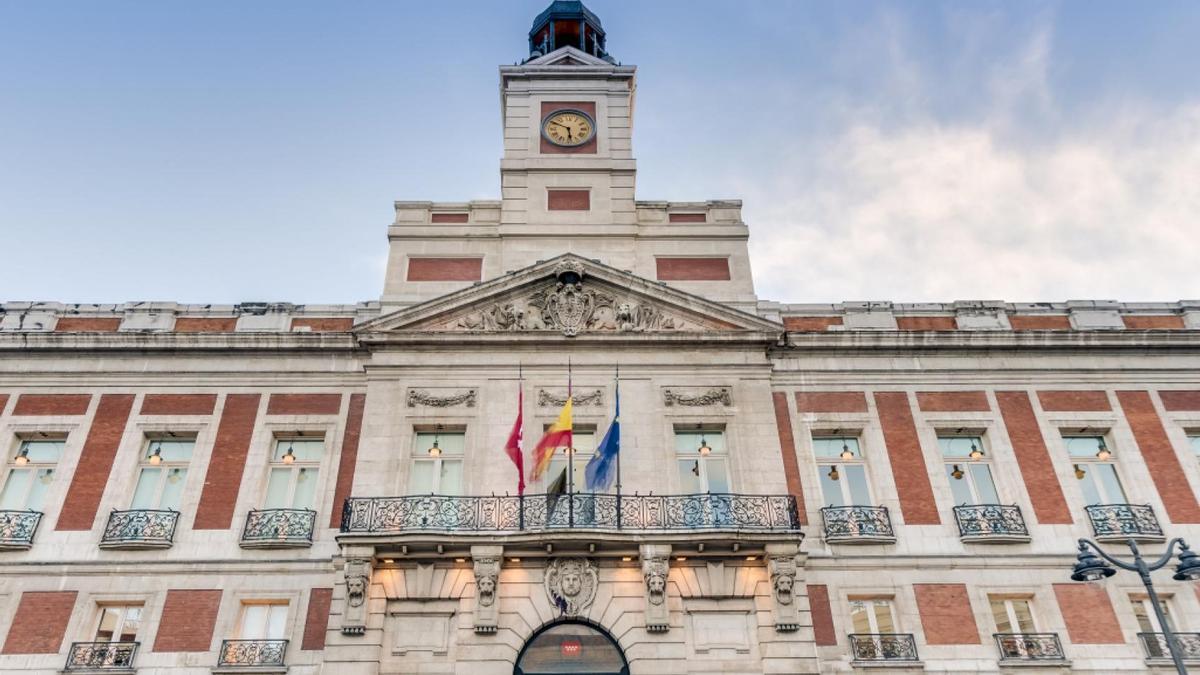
{"points": [[487, 589]]}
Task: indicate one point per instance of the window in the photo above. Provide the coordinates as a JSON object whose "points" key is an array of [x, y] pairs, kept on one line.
{"points": [[292, 476], [872, 615], [1097, 476], [584, 441], [30, 473], [968, 470], [1193, 437], [263, 621], [701, 458], [162, 473], [119, 623], [1012, 615], [1144, 612], [842, 470], [437, 463]]}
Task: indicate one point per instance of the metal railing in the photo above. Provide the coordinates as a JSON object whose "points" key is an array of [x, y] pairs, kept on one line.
{"points": [[849, 523], [252, 653], [983, 521], [101, 656], [140, 528], [1029, 647], [578, 511], [1155, 645], [17, 528], [279, 527], [1124, 520], [883, 647]]}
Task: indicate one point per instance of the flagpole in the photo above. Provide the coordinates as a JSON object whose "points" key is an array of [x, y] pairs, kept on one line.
{"points": [[570, 457], [617, 419], [521, 447]]}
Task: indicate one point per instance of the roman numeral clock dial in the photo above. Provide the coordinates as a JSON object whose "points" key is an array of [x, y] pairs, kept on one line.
{"points": [[568, 128]]}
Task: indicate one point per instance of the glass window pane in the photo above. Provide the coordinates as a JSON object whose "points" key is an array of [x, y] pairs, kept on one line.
{"points": [[133, 621], [42, 452], [1083, 446], [960, 489], [279, 482], [172, 449], [831, 490], [1087, 483], [1000, 616], [981, 474], [306, 488], [1141, 611], [254, 622], [1110, 485], [109, 618], [689, 476], [959, 446], [858, 616], [718, 474], [688, 442], [584, 442], [883, 617], [173, 489], [16, 489], [37, 491], [1194, 441], [277, 616], [147, 488], [855, 476], [451, 478], [1024, 616], [450, 443], [833, 446]]}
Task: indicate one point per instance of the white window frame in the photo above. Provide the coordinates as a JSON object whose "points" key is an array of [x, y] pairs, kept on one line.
{"points": [[1011, 614], [701, 469], [420, 455], [826, 464], [273, 604], [1137, 600], [872, 618], [124, 608], [311, 468], [168, 470], [964, 464], [1090, 462], [34, 467]]}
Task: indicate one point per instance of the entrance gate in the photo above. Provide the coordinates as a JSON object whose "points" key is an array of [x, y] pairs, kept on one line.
{"points": [[571, 648]]}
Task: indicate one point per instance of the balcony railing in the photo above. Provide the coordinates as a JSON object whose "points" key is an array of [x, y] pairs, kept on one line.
{"points": [[252, 653], [507, 513], [116, 656], [990, 522], [279, 528], [17, 529], [883, 647], [1124, 521], [1155, 645], [140, 528], [1029, 647], [857, 524]]}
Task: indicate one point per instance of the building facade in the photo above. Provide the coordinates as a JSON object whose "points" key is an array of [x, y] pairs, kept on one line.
{"points": [[269, 487]]}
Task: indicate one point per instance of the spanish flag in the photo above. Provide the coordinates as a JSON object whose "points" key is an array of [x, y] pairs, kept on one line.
{"points": [[557, 436]]}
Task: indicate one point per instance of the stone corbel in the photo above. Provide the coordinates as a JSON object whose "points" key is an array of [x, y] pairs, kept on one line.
{"points": [[486, 560], [655, 568], [358, 591], [783, 567]]}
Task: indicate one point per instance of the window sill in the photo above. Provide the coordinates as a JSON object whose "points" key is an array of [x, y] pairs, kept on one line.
{"points": [[1138, 537], [99, 671], [861, 539], [135, 545], [247, 670], [995, 539], [276, 543], [1035, 663], [889, 665]]}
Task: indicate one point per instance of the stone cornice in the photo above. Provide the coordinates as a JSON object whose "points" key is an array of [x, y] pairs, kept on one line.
{"points": [[852, 342], [178, 342]]}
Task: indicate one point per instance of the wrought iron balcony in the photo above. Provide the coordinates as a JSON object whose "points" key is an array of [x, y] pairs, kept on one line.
{"points": [[140, 528], [990, 523], [373, 515], [17, 529], [888, 647], [857, 524], [263, 654], [1029, 647], [1155, 645], [279, 528], [1124, 521], [101, 656]]}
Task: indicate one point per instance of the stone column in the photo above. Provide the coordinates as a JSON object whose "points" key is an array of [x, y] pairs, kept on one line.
{"points": [[655, 567], [358, 567], [782, 566], [486, 560]]}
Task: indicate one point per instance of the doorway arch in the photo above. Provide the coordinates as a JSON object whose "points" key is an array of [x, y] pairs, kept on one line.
{"points": [[571, 647]]}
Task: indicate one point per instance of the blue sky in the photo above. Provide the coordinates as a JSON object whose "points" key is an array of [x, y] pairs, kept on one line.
{"points": [[229, 151]]}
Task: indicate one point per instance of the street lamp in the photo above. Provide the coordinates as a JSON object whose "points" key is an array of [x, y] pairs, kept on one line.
{"points": [[1090, 567]]}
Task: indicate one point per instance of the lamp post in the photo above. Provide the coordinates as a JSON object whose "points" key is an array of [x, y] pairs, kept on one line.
{"points": [[1089, 567]]}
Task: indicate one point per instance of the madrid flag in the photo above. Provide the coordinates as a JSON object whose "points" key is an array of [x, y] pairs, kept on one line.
{"points": [[513, 446]]}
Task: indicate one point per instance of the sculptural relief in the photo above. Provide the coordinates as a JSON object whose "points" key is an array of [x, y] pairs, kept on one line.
{"points": [[571, 584], [358, 582], [487, 578], [783, 570]]}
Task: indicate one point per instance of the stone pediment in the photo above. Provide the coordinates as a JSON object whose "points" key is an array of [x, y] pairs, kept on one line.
{"points": [[569, 296]]}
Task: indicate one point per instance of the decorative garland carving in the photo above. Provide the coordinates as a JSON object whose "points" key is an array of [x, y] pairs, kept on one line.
{"points": [[546, 398], [416, 398], [720, 395]]}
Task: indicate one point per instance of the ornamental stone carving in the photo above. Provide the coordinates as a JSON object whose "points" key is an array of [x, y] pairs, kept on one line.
{"points": [[417, 397], [593, 398], [572, 308], [655, 567], [358, 583], [486, 560], [783, 569], [571, 584], [720, 395]]}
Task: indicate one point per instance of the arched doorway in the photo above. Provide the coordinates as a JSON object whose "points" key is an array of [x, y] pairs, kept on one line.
{"points": [[571, 648]]}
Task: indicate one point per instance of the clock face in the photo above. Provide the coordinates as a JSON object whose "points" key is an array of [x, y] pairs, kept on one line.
{"points": [[568, 128]]}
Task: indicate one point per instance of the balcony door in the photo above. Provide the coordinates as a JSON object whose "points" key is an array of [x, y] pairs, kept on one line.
{"points": [[702, 461]]}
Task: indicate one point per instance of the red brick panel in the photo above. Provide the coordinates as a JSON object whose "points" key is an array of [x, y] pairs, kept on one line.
{"points": [[589, 148], [205, 324], [304, 404], [329, 324], [692, 269], [568, 200], [1049, 504], [87, 324], [1178, 497], [3, 402], [1176, 400], [908, 462], [95, 462], [822, 615], [317, 619], [787, 445], [926, 323], [831, 401], [224, 478], [52, 404], [1074, 401], [448, 217], [178, 404], [1153, 321], [1088, 614], [813, 324], [349, 457], [188, 618], [952, 401], [40, 622], [687, 217], [1039, 321], [946, 614], [445, 269]]}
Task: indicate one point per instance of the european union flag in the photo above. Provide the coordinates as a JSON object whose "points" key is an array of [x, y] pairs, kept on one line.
{"points": [[602, 469]]}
